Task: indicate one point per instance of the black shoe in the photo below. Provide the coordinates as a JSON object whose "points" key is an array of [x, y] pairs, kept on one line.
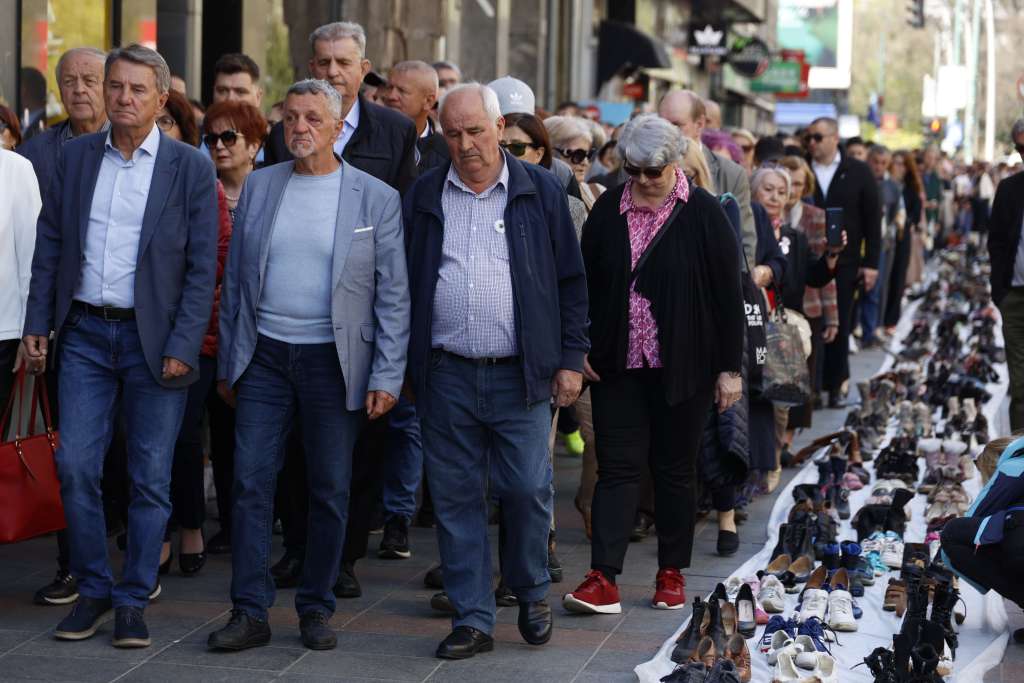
{"points": [[240, 633], [554, 565], [442, 603], [287, 571], [785, 457], [63, 590], [165, 566], [220, 544], [641, 527], [130, 628], [155, 593], [728, 543], [535, 622], [433, 579], [687, 642], [191, 563], [503, 597], [464, 642], [347, 585], [395, 544], [86, 616], [316, 634]]}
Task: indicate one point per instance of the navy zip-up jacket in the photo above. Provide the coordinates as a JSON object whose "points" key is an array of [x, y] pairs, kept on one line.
{"points": [[549, 283]]}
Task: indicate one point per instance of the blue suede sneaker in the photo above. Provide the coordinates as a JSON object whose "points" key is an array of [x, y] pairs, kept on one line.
{"points": [[130, 628], [86, 616], [815, 629], [776, 623]]}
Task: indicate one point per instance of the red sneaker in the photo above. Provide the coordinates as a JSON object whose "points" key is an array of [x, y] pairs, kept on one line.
{"points": [[669, 591], [596, 595]]}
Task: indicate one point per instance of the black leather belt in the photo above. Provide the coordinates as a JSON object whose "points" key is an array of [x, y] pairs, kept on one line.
{"points": [[504, 360], [108, 313]]}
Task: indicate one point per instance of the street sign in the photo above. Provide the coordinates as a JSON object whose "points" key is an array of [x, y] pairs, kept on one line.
{"points": [[749, 57], [707, 39], [780, 77]]}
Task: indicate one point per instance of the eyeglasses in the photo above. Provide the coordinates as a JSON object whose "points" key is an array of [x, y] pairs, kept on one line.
{"points": [[651, 172], [576, 156], [518, 149], [228, 137], [747, 149], [814, 137], [166, 123]]}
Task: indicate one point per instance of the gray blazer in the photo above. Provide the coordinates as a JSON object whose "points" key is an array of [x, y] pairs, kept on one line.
{"points": [[370, 300], [731, 177]]}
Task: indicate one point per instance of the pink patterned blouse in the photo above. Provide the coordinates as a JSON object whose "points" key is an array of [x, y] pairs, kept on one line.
{"points": [[643, 226]]}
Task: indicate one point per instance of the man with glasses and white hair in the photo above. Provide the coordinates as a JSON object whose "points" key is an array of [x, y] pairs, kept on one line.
{"points": [[314, 323], [847, 184], [499, 330], [123, 278], [1006, 250]]}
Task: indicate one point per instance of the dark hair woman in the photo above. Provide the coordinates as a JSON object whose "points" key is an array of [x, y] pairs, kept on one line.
{"points": [[10, 129], [177, 120], [903, 172], [234, 132], [526, 138]]}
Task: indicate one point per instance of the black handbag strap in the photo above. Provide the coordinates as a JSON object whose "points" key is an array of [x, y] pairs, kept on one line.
{"points": [[654, 241]]}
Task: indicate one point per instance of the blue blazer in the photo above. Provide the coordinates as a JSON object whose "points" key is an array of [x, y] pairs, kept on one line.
{"points": [[177, 259]]}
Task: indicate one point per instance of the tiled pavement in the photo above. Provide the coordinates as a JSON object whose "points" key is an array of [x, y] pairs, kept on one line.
{"points": [[388, 634]]}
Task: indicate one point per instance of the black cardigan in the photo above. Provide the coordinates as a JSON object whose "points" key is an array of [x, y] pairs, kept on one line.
{"points": [[691, 278]]}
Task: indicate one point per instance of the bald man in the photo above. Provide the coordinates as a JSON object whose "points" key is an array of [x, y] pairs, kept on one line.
{"points": [[413, 90], [686, 110], [713, 113]]}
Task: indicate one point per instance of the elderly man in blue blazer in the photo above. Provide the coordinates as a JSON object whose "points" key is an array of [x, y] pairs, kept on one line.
{"points": [[314, 324], [123, 278]]}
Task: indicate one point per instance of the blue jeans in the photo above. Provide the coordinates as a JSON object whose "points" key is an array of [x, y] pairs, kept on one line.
{"points": [[103, 373], [283, 382], [480, 440], [871, 304], [403, 468]]}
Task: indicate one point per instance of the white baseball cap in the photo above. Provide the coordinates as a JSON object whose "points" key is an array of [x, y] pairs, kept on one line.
{"points": [[514, 96]]}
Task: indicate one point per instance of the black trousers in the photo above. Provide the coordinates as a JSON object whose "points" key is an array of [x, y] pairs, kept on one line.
{"points": [[567, 422], [222, 454], [635, 428], [897, 281], [837, 353], [997, 567], [801, 416], [188, 495], [8, 352]]}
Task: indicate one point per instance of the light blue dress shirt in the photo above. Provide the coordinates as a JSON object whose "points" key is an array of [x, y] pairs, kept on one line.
{"points": [[351, 123], [115, 224]]}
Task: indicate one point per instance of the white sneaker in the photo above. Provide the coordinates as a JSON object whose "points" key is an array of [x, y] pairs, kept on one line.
{"points": [[732, 587], [826, 669], [781, 642], [773, 595], [785, 669], [840, 611], [815, 604], [806, 653], [892, 552]]}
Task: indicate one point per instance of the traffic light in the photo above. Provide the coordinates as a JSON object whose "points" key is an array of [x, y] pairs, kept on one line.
{"points": [[915, 13]]}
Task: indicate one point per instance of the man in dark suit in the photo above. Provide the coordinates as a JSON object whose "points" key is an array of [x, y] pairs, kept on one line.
{"points": [[374, 139], [1006, 251], [412, 90], [847, 184], [123, 276]]}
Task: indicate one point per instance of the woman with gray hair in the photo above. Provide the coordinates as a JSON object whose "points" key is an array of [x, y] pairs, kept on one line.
{"points": [[666, 312], [572, 141]]}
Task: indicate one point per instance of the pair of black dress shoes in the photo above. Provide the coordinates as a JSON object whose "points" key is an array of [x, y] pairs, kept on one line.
{"points": [[463, 642]]}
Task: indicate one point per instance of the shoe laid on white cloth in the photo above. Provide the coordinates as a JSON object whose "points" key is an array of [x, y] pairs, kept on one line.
{"points": [[732, 587], [785, 669], [806, 651], [781, 642], [815, 604], [892, 551], [772, 595], [825, 670], [840, 611]]}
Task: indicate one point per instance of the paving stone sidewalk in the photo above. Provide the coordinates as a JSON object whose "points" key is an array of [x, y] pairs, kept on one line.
{"points": [[390, 633]]}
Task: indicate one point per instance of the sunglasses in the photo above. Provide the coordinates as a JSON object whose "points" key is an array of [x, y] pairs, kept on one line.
{"points": [[576, 156], [518, 149], [166, 123], [814, 137], [228, 137], [651, 172]]}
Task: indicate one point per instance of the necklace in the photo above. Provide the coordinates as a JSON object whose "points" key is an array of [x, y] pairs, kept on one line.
{"points": [[230, 198]]}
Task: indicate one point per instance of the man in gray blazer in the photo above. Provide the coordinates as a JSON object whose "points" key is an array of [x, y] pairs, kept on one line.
{"points": [[685, 109], [314, 324]]}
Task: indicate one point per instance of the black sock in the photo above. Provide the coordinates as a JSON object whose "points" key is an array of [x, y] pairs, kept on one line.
{"points": [[607, 572]]}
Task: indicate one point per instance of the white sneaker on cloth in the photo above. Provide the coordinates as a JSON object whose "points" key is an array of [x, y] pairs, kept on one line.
{"points": [[840, 611], [815, 604], [772, 595], [892, 551]]}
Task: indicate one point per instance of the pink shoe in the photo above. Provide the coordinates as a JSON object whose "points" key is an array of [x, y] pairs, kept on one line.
{"points": [[760, 616], [852, 481]]}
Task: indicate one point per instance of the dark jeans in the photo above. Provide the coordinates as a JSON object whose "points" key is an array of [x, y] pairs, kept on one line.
{"points": [[282, 381], [482, 442], [1012, 310], [103, 373], [635, 428], [998, 566], [188, 496], [837, 353], [403, 467]]}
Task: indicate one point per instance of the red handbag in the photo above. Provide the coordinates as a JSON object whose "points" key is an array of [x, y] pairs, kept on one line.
{"points": [[29, 487]]}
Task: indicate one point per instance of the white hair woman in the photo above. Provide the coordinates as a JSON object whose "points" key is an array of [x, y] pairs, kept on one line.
{"points": [[572, 141], [666, 313]]}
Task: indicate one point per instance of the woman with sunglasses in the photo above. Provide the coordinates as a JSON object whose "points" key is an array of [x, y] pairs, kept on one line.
{"points": [[233, 132], [573, 142], [666, 312]]}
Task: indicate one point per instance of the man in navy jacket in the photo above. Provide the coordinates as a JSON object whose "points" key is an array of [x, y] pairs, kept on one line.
{"points": [[499, 332]]}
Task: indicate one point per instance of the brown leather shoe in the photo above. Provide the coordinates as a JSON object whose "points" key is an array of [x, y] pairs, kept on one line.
{"points": [[779, 566], [729, 618], [817, 578], [801, 568], [896, 597], [705, 653], [839, 578], [736, 650]]}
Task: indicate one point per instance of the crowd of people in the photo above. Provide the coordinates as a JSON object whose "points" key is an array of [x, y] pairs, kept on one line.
{"points": [[384, 298]]}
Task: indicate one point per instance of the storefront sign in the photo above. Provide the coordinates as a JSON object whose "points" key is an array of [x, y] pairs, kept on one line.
{"points": [[780, 77], [707, 39], [749, 57]]}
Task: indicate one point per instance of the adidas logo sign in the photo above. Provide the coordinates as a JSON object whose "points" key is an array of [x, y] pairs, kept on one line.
{"points": [[708, 36]]}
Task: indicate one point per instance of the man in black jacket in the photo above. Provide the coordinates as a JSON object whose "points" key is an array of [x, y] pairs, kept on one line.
{"points": [[847, 184], [412, 90], [380, 142], [1006, 251], [375, 139]]}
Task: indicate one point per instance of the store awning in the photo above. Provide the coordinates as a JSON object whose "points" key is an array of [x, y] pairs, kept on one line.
{"points": [[622, 45]]}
